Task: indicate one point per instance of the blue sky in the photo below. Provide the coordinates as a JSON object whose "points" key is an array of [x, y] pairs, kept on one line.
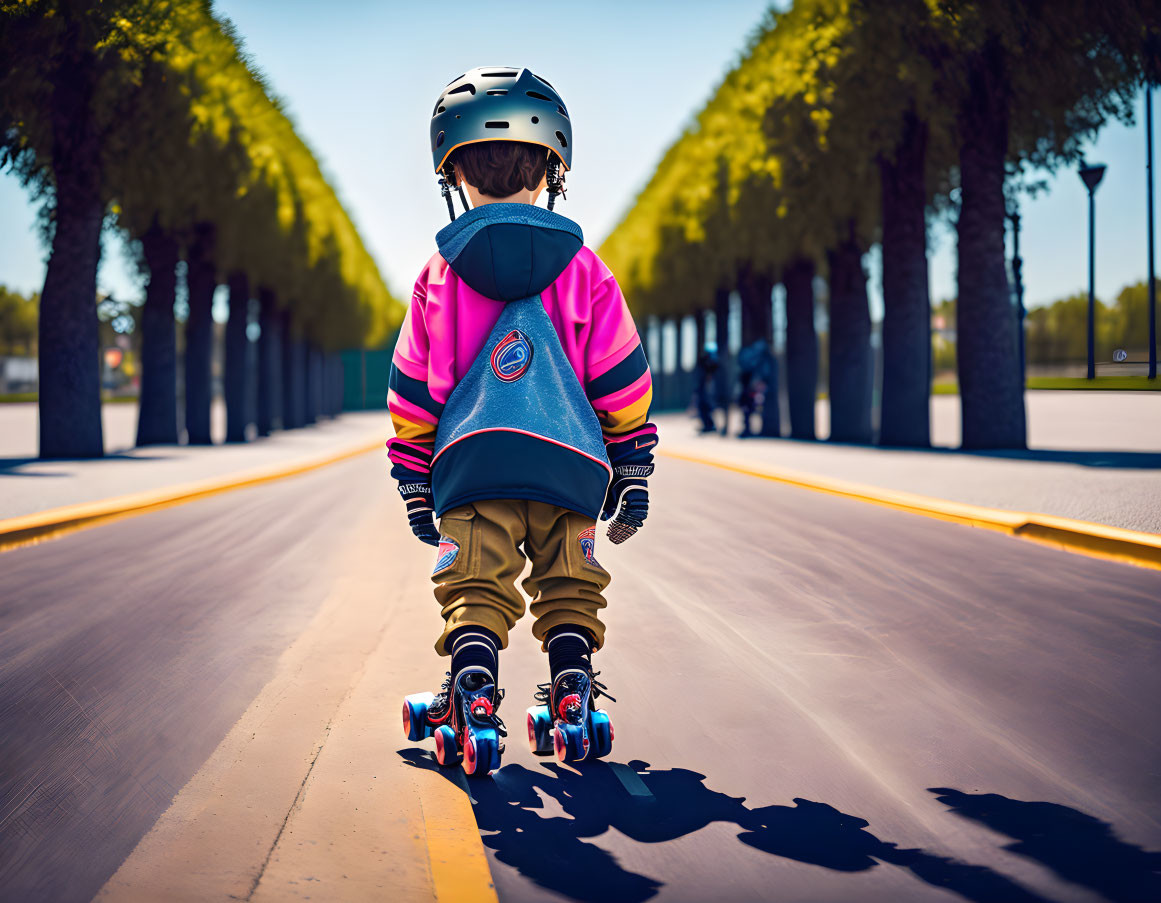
{"points": [[360, 80]]}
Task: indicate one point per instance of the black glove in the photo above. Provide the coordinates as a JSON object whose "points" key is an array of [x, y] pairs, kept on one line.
{"points": [[420, 507], [627, 501]]}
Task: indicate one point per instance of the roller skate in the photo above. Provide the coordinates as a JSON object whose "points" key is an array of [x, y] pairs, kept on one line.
{"points": [[565, 721], [462, 718]]}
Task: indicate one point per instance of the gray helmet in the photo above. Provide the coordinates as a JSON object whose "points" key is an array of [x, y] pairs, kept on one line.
{"points": [[500, 103]]}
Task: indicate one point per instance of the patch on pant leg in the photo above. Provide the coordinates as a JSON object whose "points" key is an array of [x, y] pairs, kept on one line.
{"points": [[449, 550], [588, 543]]}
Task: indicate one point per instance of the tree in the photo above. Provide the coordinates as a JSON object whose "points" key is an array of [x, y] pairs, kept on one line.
{"points": [[905, 415], [201, 280], [238, 372], [1029, 82], [157, 406], [269, 362], [68, 68], [850, 343]]}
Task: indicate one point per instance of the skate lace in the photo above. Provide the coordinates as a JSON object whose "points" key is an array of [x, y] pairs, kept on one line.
{"points": [[495, 720], [598, 689]]}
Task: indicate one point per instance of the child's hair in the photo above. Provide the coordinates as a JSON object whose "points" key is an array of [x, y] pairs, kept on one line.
{"points": [[500, 168]]}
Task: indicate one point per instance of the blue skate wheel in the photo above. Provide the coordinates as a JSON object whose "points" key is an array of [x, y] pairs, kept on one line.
{"points": [[539, 730], [447, 751], [415, 724], [481, 753], [570, 743], [601, 734]]}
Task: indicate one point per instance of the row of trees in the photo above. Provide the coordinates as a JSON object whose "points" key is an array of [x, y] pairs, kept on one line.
{"points": [[149, 113], [849, 122], [1057, 333]]}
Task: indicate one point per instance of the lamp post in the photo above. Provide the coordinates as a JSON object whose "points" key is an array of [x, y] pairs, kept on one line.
{"points": [[1149, 209], [1018, 282], [1091, 175]]}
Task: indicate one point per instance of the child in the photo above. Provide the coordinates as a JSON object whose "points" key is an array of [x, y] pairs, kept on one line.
{"points": [[520, 398]]}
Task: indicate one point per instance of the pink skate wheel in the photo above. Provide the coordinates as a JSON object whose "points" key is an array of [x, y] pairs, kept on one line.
{"points": [[558, 743], [406, 719], [470, 756]]}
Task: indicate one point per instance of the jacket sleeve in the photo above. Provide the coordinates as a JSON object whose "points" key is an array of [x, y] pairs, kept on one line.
{"points": [[414, 413], [619, 385]]}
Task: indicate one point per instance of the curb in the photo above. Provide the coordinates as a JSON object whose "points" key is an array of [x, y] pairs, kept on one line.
{"points": [[1083, 537], [30, 529]]}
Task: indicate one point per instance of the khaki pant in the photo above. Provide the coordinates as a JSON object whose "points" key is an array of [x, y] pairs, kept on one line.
{"points": [[483, 552]]}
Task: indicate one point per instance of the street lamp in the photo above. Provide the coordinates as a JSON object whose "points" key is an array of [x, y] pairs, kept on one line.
{"points": [[1149, 229], [1091, 175], [1013, 213]]}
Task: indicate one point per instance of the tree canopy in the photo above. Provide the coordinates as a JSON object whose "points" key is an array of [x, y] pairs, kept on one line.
{"points": [[190, 133], [781, 160]]}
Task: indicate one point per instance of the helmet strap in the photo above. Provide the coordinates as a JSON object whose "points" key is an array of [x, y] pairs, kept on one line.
{"points": [[447, 177], [554, 180], [445, 190]]}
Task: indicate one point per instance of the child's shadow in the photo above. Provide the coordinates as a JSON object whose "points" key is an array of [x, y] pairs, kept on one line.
{"points": [[551, 850], [1078, 847]]}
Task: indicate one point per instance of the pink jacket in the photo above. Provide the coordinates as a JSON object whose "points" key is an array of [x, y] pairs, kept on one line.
{"points": [[448, 322]]}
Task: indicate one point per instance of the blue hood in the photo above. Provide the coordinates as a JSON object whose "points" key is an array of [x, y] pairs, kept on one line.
{"points": [[509, 251]]}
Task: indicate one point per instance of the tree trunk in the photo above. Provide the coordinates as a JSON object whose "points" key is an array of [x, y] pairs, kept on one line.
{"points": [[772, 403], [199, 336], [755, 290], [69, 400], [905, 414], [309, 384], [725, 382], [850, 344], [291, 375], [157, 407], [269, 363], [987, 352], [339, 384], [801, 347], [238, 371]]}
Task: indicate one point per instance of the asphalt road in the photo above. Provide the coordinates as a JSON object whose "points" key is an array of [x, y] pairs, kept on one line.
{"points": [[818, 700]]}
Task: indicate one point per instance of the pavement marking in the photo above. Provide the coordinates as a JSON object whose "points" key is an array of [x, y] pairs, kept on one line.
{"points": [[459, 866], [30, 529], [1083, 537], [630, 780]]}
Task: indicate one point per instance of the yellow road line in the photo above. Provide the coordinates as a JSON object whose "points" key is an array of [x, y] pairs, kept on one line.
{"points": [[459, 866], [57, 522], [1083, 537]]}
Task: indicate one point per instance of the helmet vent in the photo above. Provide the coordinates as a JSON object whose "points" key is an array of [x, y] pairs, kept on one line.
{"points": [[535, 119], [469, 87], [497, 91], [439, 140], [503, 73], [496, 124], [563, 141], [544, 80], [539, 96], [562, 111]]}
